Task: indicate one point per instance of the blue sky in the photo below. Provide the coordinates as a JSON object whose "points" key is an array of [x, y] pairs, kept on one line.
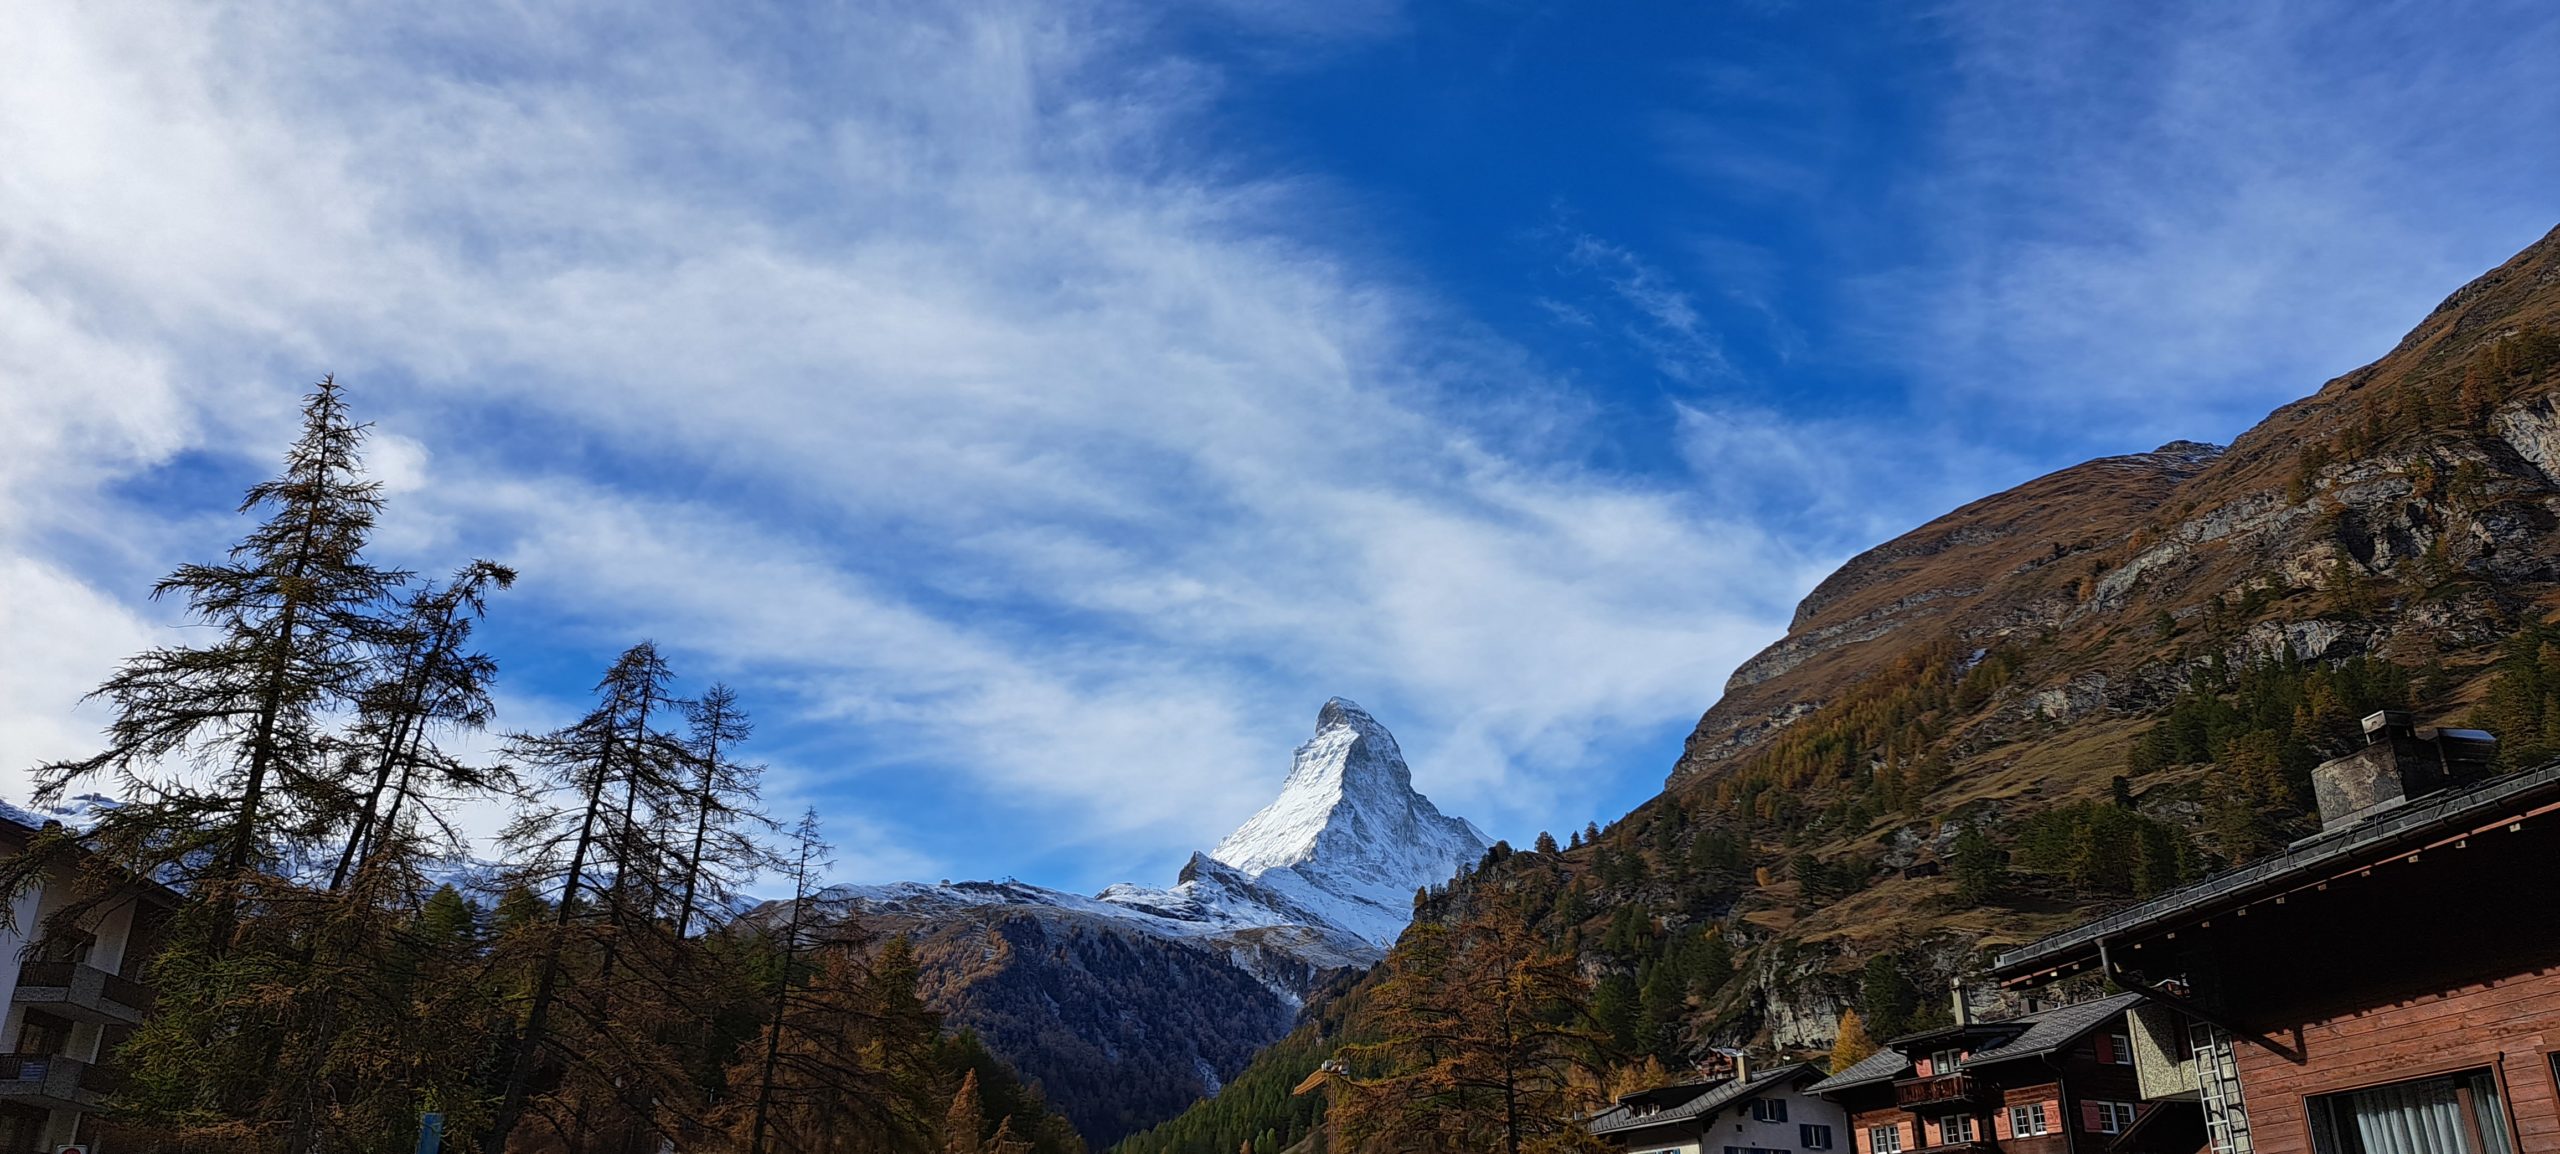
{"points": [[1038, 409]]}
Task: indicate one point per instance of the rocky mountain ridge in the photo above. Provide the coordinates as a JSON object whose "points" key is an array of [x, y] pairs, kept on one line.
{"points": [[2446, 452], [2402, 513]]}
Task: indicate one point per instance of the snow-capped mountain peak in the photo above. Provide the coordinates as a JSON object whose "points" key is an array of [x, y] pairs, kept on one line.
{"points": [[1323, 877], [1348, 837]]}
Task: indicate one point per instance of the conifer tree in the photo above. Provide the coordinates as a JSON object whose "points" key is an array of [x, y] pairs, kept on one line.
{"points": [[1886, 999], [426, 680], [601, 774], [1483, 1041], [849, 1063], [222, 751], [1976, 865], [722, 801], [1850, 1044], [807, 852], [234, 775]]}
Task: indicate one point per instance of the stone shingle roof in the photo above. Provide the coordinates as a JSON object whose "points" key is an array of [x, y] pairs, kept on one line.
{"points": [[1716, 1097], [1875, 1067], [2046, 1031]]}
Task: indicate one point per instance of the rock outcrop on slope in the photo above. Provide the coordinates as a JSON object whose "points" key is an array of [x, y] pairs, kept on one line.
{"points": [[1130, 1004], [2436, 469], [2404, 511]]}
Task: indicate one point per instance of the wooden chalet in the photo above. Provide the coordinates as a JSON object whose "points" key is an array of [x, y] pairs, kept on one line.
{"points": [[2055, 1081], [1763, 1112], [2389, 986]]}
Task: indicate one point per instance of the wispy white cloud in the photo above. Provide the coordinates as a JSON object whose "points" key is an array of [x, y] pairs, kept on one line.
{"points": [[1659, 313], [934, 398], [2146, 223]]}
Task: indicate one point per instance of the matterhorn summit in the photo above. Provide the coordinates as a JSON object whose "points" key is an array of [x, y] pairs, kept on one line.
{"points": [[1348, 837], [1323, 877]]}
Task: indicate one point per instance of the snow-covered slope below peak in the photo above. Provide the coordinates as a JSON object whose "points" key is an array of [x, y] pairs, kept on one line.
{"points": [[1348, 839]]}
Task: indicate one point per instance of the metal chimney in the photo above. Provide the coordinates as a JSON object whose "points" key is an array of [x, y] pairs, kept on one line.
{"points": [[1964, 1005]]}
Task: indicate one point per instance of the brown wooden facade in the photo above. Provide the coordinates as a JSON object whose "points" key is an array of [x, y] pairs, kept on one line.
{"points": [[2401, 969], [2057, 1082]]}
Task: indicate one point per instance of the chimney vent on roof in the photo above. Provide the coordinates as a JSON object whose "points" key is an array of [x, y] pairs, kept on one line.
{"points": [[1964, 1004], [2400, 763]]}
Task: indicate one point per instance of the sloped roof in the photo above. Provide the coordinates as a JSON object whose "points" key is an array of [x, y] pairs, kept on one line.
{"points": [[2046, 1031], [1717, 1097], [2056, 1028], [2389, 834], [1875, 1067]]}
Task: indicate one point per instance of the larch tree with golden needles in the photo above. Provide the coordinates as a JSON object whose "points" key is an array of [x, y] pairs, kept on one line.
{"points": [[1850, 1044], [1485, 1044]]}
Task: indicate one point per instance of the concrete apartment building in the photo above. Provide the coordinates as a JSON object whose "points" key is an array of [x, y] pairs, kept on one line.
{"points": [[66, 1001]]}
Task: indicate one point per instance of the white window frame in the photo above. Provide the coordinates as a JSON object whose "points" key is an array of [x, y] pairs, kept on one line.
{"points": [[2021, 1116], [2113, 1117], [2123, 1044], [1945, 1062], [1947, 1125], [1768, 1109], [1807, 1132], [1884, 1139]]}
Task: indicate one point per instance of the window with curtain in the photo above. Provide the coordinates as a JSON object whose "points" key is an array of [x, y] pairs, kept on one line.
{"points": [[2452, 1114]]}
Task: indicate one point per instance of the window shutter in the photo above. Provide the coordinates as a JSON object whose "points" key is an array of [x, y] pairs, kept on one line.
{"points": [[2089, 1119], [2000, 1127], [2106, 1050]]}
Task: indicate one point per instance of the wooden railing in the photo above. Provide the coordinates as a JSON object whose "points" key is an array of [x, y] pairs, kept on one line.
{"points": [[1960, 1088]]}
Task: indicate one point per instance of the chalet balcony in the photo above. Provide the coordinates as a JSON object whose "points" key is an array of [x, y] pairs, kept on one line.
{"points": [[83, 993], [1945, 1093], [53, 1082], [1981, 1146]]}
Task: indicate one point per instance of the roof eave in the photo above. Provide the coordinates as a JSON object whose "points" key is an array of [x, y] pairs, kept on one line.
{"points": [[2380, 838]]}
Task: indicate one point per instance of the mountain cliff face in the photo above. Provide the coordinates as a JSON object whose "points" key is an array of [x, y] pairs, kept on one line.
{"points": [[2427, 477], [1131, 1004], [2008, 659]]}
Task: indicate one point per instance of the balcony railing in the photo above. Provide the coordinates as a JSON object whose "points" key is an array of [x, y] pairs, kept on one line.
{"points": [[1977, 1146], [84, 992], [1957, 1090], [54, 1082]]}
